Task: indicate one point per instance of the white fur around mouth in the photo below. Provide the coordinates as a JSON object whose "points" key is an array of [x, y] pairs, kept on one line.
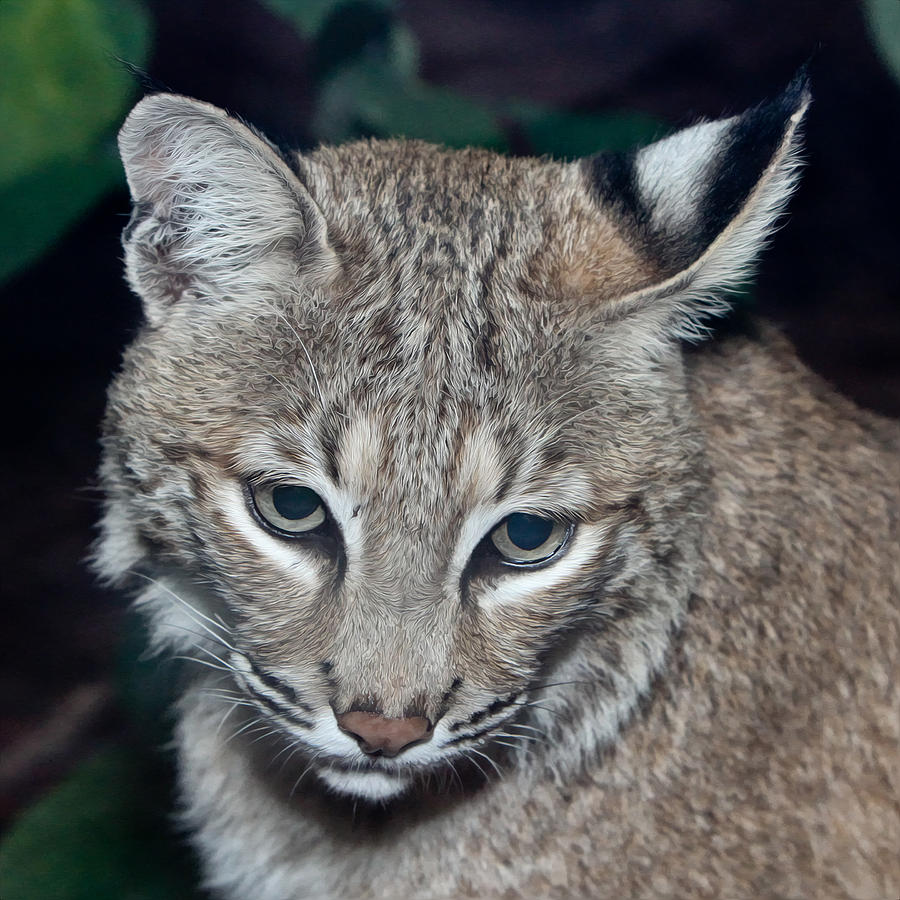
{"points": [[371, 784]]}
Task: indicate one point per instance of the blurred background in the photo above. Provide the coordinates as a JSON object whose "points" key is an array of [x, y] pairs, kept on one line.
{"points": [[565, 78]]}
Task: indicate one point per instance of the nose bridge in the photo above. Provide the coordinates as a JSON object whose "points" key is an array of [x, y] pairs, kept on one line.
{"points": [[402, 562], [393, 657]]}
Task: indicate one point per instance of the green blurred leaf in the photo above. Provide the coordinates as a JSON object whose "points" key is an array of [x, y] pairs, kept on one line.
{"points": [[381, 94], [571, 135], [308, 16], [101, 835], [60, 85], [884, 25], [360, 30], [38, 207], [62, 92], [368, 98]]}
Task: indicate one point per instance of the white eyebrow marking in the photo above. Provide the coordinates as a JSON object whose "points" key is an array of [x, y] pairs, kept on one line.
{"points": [[291, 559], [524, 584]]}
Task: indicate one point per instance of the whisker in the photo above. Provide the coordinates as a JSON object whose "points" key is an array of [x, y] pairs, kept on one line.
{"points": [[256, 722], [199, 636], [474, 762], [216, 657], [531, 705], [237, 701], [193, 611], [456, 774], [517, 747], [228, 712], [537, 731], [267, 733], [202, 662], [551, 684], [303, 773], [519, 737], [293, 746], [496, 767], [224, 693]]}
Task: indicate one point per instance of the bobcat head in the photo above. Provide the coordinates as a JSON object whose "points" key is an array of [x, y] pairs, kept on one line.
{"points": [[404, 446]]}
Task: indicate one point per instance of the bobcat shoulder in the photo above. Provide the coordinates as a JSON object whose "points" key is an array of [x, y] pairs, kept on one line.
{"points": [[493, 588]]}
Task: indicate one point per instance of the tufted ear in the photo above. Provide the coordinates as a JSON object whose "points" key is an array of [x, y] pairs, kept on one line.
{"points": [[699, 205], [217, 211]]}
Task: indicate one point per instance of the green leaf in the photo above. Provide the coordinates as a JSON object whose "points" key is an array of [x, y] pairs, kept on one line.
{"points": [[364, 30], [62, 93], [41, 205], [308, 16], [381, 94], [61, 87], [884, 24], [101, 835], [571, 135], [368, 98]]}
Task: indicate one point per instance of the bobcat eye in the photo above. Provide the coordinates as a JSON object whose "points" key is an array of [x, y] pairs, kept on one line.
{"points": [[524, 540], [289, 508]]}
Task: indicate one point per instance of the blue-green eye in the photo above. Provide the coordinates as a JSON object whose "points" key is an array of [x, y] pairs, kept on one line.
{"points": [[522, 539], [289, 507]]}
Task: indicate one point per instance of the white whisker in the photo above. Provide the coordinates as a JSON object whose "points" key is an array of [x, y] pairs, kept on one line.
{"points": [[196, 615], [475, 763], [228, 712], [202, 662], [496, 767], [254, 723], [303, 773]]}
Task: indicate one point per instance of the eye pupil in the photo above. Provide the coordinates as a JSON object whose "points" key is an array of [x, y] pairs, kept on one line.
{"points": [[528, 532], [295, 502]]}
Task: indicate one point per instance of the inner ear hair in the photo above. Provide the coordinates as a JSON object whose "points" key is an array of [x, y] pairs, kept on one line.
{"points": [[217, 210]]}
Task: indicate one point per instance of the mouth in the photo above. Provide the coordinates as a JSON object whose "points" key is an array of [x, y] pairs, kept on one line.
{"points": [[463, 752], [447, 769]]}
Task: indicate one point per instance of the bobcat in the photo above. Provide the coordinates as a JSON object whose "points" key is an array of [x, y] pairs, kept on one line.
{"points": [[495, 588]]}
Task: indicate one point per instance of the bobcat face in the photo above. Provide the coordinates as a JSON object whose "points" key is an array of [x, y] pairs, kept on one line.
{"points": [[386, 572], [406, 432]]}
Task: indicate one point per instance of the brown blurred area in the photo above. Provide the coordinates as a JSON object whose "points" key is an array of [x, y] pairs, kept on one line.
{"points": [[830, 278]]}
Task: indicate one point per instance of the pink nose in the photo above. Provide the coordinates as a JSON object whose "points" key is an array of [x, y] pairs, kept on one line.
{"points": [[379, 736]]}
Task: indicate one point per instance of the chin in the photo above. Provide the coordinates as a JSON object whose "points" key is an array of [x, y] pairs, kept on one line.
{"points": [[373, 786]]}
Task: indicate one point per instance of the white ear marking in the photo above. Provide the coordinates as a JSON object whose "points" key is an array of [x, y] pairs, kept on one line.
{"points": [[670, 173], [700, 205]]}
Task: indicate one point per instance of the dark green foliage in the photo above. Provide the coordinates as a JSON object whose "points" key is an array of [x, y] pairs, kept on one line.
{"points": [[884, 25], [571, 135], [102, 835], [62, 95]]}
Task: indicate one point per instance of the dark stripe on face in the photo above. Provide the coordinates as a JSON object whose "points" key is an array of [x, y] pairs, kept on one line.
{"points": [[328, 440], [275, 684], [491, 709], [510, 446], [275, 706]]}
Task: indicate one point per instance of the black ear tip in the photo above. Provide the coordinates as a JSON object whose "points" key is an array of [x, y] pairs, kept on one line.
{"points": [[799, 92]]}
